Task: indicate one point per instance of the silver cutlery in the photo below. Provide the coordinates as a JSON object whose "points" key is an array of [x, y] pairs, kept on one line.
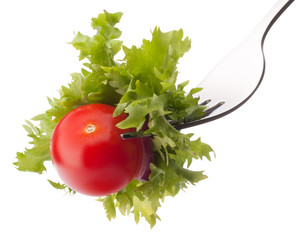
{"points": [[234, 80]]}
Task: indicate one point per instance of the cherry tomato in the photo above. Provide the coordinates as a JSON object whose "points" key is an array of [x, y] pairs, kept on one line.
{"points": [[89, 154]]}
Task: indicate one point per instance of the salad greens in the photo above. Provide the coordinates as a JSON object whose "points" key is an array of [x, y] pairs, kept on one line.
{"points": [[142, 84]]}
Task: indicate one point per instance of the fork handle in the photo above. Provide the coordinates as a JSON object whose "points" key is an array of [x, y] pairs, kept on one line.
{"points": [[267, 22]]}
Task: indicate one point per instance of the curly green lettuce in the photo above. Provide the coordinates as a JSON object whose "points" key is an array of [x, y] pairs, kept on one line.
{"points": [[144, 85]]}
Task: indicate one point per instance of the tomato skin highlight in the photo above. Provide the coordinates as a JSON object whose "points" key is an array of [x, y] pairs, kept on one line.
{"points": [[89, 154]]}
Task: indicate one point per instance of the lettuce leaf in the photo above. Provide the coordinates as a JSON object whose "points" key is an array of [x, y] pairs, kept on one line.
{"points": [[144, 85]]}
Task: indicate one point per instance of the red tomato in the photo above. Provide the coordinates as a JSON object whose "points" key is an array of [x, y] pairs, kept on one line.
{"points": [[89, 154]]}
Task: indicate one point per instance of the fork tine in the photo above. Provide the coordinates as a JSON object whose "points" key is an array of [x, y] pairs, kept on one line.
{"points": [[201, 120], [179, 126], [213, 108], [205, 102], [130, 135]]}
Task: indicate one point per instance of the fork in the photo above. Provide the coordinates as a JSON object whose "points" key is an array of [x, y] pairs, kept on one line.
{"points": [[234, 80]]}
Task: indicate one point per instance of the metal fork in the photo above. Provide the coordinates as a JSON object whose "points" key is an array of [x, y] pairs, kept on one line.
{"points": [[235, 79]]}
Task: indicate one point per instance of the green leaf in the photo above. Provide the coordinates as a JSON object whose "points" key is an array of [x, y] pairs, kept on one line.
{"points": [[144, 85], [109, 205], [101, 48], [57, 185], [61, 186], [32, 159], [201, 149], [145, 209]]}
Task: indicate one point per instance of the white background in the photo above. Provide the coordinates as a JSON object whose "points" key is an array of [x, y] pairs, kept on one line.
{"points": [[253, 189]]}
